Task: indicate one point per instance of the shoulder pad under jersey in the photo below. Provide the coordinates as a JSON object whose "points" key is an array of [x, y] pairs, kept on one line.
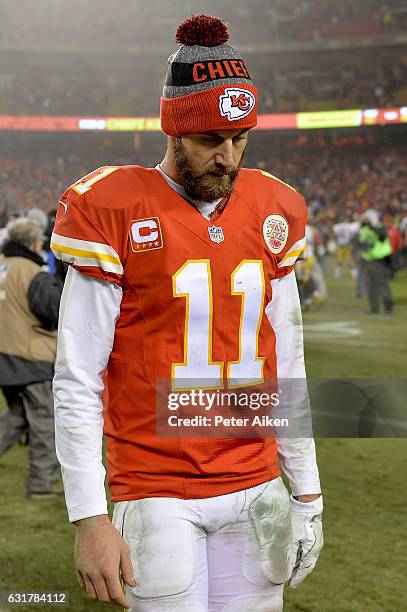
{"points": [[114, 187]]}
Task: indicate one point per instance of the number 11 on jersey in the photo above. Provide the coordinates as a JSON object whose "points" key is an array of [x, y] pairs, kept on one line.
{"points": [[193, 281]]}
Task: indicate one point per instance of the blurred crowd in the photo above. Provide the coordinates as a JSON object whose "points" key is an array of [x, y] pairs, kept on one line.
{"points": [[341, 172], [335, 171], [359, 83], [86, 23], [356, 189], [73, 90], [74, 80], [30, 182], [119, 90]]}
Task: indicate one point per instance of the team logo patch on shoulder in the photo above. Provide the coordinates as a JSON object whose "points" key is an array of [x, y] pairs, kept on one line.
{"points": [[216, 234], [236, 103], [275, 232], [145, 235]]}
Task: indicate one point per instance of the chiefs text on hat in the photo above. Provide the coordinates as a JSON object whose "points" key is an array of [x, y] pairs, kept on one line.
{"points": [[184, 74]]}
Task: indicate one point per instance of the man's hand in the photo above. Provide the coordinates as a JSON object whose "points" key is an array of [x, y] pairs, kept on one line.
{"points": [[101, 555], [307, 535]]}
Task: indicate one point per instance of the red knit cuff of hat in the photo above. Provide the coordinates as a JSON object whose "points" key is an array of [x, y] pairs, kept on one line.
{"points": [[199, 112]]}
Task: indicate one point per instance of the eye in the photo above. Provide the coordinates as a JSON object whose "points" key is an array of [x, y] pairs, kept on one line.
{"points": [[240, 138], [210, 141]]}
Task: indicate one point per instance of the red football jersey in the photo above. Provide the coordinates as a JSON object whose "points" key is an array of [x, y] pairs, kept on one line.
{"points": [[193, 307]]}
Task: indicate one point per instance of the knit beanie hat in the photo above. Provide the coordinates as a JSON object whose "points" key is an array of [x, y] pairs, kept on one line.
{"points": [[208, 86]]}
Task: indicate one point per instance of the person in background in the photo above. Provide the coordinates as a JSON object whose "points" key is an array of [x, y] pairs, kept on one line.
{"points": [[376, 262], [56, 267], [344, 233], [396, 241], [310, 277], [38, 215], [403, 232], [29, 305], [41, 217]]}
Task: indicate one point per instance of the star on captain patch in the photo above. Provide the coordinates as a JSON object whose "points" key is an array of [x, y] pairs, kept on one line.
{"points": [[216, 234]]}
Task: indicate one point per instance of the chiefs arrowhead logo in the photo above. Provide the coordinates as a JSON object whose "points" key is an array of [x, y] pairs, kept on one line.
{"points": [[236, 103], [275, 232]]}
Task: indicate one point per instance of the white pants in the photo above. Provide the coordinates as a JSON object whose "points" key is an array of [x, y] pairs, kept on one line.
{"points": [[229, 553]]}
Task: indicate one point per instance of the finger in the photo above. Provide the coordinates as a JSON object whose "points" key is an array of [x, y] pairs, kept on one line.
{"points": [[297, 580], [305, 568], [101, 589], [90, 589], [126, 567], [116, 592], [80, 579]]}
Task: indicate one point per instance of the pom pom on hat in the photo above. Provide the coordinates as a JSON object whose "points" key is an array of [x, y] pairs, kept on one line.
{"points": [[202, 30]]}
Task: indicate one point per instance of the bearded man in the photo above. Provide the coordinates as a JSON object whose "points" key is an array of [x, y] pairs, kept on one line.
{"points": [[184, 273]]}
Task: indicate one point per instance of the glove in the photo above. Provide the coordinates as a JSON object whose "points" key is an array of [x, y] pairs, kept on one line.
{"points": [[307, 542]]}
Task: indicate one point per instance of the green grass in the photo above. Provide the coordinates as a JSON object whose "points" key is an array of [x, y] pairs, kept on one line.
{"points": [[379, 345], [362, 566], [363, 559]]}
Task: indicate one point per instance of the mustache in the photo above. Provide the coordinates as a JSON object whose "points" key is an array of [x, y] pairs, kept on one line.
{"points": [[222, 171]]}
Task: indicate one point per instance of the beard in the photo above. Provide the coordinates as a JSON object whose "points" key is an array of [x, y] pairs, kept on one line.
{"points": [[213, 184]]}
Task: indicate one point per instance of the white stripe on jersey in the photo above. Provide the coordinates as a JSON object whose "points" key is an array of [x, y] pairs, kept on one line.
{"points": [[86, 253], [291, 256]]}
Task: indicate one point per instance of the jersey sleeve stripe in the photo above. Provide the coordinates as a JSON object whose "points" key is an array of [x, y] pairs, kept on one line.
{"points": [[84, 245], [82, 262], [291, 256], [299, 245], [264, 173], [77, 260], [91, 253], [288, 262], [80, 253]]}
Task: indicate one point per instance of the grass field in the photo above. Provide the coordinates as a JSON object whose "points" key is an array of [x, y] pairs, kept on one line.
{"points": [[362, 567]]}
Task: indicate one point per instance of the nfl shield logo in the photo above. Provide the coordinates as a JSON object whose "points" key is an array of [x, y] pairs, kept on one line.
{"points": [[216, 234]]}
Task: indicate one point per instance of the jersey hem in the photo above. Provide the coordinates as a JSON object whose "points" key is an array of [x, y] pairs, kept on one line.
{"points": [[199, 490]]}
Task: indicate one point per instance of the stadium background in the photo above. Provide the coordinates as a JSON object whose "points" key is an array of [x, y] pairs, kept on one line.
{"points": [[95, 60]]}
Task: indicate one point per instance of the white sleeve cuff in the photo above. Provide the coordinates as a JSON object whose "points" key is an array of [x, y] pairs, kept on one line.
{"points": [[306, 488], [86, 511], [313, 507]]}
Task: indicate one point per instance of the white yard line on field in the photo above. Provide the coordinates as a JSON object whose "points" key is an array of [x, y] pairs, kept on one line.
{"points": [[350, 342], [330, 331]]}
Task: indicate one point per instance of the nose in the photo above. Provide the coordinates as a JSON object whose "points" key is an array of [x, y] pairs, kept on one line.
{"points": [[224, 155]]}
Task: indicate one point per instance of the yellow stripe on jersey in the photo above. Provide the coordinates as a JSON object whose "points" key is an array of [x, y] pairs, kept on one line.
{"points": [[291, 256], [264, 173], [86, 253]]}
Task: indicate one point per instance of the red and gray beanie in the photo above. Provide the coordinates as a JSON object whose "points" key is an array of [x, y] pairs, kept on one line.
{"points": [[208, 86]]}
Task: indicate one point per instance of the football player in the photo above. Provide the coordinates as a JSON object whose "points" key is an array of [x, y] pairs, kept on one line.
{"points": [[184, 273]]}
